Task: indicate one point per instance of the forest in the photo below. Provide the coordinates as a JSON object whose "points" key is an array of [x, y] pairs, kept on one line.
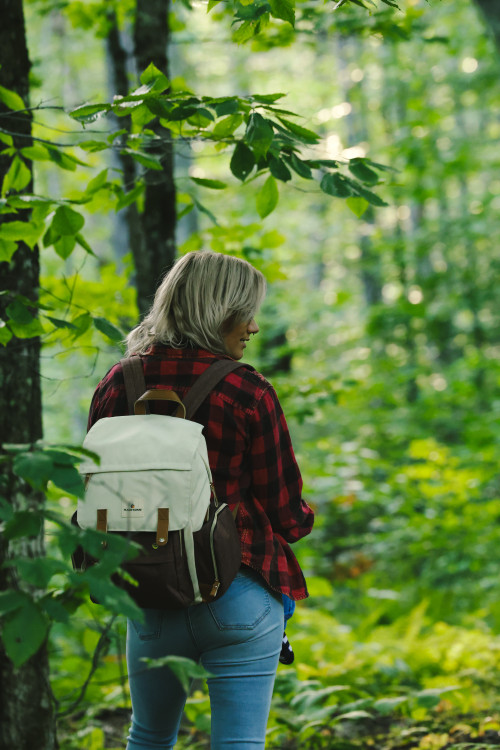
{"points": [[349, 150]]}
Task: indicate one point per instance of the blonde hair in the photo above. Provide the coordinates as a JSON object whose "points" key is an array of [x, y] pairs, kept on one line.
{"points": [[202, 297]]}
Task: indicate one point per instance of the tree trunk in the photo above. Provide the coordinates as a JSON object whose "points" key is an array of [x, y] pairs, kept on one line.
{"points": [[26, 710], [156, 253], [490, 10], [151, 233]]}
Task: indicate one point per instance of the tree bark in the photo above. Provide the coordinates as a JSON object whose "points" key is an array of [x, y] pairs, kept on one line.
{"points": [[26, 709], [151, 233], [155, 254]]}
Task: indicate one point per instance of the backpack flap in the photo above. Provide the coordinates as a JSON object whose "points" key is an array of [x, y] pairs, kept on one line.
{"points": [[146, 464]]}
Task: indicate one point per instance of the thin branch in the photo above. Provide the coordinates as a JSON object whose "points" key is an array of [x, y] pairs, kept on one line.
{"points": [[102, 645]]}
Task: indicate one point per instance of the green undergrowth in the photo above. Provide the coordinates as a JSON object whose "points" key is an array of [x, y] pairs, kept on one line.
{"points": [[414, 683]]}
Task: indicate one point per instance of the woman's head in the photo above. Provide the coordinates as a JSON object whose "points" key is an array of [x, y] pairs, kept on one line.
{"points": [[203, 298]]}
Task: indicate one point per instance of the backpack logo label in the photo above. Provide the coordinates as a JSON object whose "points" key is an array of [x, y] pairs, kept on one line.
{"points": [[132, 509]]}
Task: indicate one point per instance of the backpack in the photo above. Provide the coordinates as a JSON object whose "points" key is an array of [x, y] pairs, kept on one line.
{"points": [[154, 485]]}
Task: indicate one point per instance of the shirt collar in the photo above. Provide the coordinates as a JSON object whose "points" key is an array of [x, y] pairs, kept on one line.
{"points": [[188, 353]]}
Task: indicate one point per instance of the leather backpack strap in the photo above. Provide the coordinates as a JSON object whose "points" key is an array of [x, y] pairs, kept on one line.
{"points": [[207, 382], [133, 376]]}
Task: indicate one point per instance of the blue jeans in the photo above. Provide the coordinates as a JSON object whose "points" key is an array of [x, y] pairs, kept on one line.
{"points": [[237, 638]]}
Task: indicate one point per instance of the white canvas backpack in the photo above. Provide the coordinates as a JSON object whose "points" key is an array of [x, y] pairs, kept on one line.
{"points": [[153, 482]]}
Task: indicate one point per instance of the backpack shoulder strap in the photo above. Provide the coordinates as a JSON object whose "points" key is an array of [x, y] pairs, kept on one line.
{"points": [[135, 385], [206, 382], [133, 375]]}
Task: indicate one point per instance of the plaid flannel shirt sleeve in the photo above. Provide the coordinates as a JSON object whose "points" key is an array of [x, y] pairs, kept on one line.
{"points": [[276, 480]]}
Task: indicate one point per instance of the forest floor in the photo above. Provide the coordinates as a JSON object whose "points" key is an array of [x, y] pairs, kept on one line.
{"points": [[447, 731]]}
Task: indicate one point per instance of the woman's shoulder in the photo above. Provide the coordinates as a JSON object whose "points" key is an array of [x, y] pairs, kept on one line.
{"points": [[245, 387]]}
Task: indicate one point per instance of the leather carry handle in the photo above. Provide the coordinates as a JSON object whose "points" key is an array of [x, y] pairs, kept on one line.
{"points": [[159, 394]]}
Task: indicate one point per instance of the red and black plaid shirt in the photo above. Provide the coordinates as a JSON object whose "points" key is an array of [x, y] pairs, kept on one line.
{"points": [[249, 450]]}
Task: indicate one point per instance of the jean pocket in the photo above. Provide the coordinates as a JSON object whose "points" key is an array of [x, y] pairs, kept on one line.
{"points": [[243, 606], [150, 629]]}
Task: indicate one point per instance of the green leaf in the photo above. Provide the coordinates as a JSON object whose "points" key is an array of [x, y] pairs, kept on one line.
{"points": [[83, 243], [148, 161], [267, 98], [23, 231], [97, 182], [18, 312], [302, 133], [284, 9], [182, 112], [242, 161], [67, 221], [245, 31], [93, 146], [368, 195], [228, 125], [337, 185], [227, 106], [65, 246], [205, 211], [17, 177], [7, 250], [359, 169], [89, 112], [126, 199], [27, 330], [353, 716], [299, 166], [154, 79], [278, 169], [36, 152], [61, 323], [259, 134], [159, 107], [108, 329], [11, 600], [11, 99], [6, 138], [213, 184], [68, 479], [186, 210], [82, 323], [38, 571], [29, 201], [23, 524], [5, 332], [64, 161], [357, 205], [115, 599], [35, 468], [267, 197], [386, 706], [184, 669], [23, 632]]}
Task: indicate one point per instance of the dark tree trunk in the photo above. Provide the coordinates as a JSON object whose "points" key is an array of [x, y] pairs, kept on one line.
{"points": [[157, 251], [491, 13], [150, 234], [26, 710]]}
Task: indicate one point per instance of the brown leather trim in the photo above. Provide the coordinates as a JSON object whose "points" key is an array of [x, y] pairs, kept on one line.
{"points": [[162, 527]]}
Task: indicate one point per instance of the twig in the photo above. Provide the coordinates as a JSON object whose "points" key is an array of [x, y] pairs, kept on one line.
{"points": [[102, 644]]}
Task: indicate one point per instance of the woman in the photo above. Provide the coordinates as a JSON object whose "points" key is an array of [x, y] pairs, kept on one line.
{"points": [[204, 310]]}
